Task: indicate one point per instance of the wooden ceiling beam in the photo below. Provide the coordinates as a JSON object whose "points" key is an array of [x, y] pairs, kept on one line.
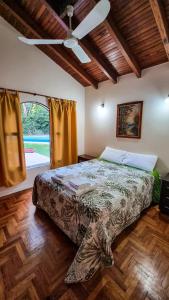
{"points": [[117, 36], [21, 16], [78, 3], [88, 45], [161, 21], [101, 62], [122, 45]]}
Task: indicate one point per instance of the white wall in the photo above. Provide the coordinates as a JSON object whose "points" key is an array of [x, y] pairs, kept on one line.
{"points": [[25, 67], [152, 88]]}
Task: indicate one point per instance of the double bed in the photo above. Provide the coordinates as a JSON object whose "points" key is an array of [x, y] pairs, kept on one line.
{"points": [[96, 218]]}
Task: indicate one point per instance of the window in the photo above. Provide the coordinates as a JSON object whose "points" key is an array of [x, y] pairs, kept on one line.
{"points": [[35, 121]]}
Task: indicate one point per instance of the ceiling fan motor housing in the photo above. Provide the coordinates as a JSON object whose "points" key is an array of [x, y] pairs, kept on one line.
{"points": [[70, 42]]}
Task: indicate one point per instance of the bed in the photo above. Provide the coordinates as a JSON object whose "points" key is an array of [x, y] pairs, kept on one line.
{"points": [[96, 218]]}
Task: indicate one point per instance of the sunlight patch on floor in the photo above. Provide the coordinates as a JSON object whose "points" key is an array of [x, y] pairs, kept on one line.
{"points": [[36, 159]]}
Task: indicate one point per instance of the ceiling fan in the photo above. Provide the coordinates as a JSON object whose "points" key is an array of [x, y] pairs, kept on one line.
{"points": [[96, 16]]}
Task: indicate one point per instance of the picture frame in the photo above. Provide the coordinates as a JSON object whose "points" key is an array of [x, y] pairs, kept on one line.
{"points": [[129, 120]]}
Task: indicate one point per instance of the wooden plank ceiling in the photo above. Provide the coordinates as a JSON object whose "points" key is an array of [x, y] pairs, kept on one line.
{"points": [[134, 36]]}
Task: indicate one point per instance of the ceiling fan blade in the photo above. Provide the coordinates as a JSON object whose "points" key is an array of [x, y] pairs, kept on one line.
{"points": [[96, 16], [40, 42], [81, 55]]}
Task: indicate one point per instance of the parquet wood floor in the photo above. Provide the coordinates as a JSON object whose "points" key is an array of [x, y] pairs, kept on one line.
{"points": [[35, 255]]}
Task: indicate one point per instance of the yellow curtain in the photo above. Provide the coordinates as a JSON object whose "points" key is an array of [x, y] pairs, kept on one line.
{"points": [[63, 132], [12, 160]]}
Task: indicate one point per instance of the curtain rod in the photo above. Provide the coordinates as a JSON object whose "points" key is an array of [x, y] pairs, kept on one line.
{"points": [[24, 92]]}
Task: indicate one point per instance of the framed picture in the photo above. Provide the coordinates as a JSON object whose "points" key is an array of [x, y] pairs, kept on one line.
{"points": [[129, 120]]}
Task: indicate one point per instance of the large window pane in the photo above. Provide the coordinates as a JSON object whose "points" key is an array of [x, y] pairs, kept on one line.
{"points": [[35, 120]]}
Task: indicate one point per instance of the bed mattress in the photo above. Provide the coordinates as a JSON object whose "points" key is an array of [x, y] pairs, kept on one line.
{"points": [[94, 219]]}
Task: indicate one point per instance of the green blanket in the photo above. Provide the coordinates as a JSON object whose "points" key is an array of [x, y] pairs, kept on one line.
{"points": [[157, 186]]}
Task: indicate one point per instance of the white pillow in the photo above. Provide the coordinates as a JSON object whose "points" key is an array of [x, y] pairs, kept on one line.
{"points": [[141, 161], [113, 155]]}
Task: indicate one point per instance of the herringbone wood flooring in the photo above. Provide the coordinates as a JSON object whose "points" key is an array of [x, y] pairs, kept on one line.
{"points": [[35, 255]]}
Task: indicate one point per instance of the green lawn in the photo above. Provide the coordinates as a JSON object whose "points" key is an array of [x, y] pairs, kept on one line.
{"points": [[39, 148]]}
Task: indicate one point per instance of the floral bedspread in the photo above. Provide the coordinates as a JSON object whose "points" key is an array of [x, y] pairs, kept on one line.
{"points": [[95, 219]]}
